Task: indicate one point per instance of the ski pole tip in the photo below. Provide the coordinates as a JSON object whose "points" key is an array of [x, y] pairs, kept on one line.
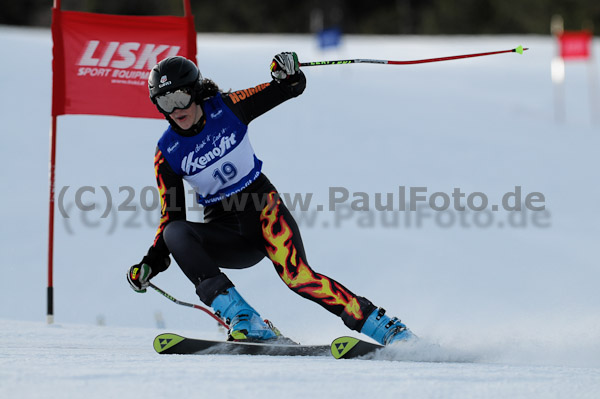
{"points": [[520, 49]]}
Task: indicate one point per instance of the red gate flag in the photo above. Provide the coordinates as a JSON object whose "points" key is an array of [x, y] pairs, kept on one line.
{"points": [[101, 62], [100, 66], [575, 45]]}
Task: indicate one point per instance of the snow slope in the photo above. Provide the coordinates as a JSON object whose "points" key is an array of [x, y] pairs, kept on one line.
{"points": [[514, 293], [76, 361]]}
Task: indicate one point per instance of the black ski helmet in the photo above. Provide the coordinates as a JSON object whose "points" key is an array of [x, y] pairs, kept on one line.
{"points": [[174, 73]]}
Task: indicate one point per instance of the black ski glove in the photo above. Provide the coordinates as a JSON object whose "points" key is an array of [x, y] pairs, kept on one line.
{"points": [[153, 263], [284, 66]]}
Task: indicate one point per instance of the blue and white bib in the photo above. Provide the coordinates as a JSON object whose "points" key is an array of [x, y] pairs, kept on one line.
{"points": [[217, 162]]}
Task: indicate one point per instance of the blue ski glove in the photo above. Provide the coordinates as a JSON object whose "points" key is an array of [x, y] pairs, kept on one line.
{"points": [[284, 65]]}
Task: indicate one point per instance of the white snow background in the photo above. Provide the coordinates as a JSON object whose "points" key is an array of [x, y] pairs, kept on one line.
{"points": [[507, 305]]}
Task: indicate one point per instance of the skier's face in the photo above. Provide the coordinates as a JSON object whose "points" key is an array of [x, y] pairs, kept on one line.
{"points": [[186, 118]]}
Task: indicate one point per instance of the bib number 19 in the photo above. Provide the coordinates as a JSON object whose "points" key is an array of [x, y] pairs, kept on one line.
{"points": [[226, 173]]}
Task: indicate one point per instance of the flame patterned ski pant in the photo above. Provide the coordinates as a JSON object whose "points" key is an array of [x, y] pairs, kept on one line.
{"points": [[239, 233]]}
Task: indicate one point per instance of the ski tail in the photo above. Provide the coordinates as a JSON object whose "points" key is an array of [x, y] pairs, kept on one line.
{"points": [[350, 347], [164, 342]]}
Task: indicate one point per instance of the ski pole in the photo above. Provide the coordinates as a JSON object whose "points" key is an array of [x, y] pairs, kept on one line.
{"points": [[189, 305], [519, 50]]}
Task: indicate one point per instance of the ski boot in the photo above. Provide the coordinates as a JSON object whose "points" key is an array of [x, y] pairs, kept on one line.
{"points": [[244, 322], [386, 330]]}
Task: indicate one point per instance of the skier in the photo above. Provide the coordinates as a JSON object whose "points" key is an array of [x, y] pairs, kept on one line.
{"points": [[207, 145]]}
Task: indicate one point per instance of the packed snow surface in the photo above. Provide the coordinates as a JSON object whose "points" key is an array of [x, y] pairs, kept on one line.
{"points": [[506, 303]]}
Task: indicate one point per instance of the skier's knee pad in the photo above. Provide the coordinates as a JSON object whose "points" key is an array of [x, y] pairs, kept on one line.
{"points": [[177, 234]]}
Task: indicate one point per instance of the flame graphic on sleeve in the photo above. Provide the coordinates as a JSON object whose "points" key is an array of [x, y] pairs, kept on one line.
{"points": [[162, 191], [294, 271]]}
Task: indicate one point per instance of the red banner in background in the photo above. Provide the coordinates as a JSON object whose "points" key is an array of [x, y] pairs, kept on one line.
{"points": [[575, 45], [101, 62]]}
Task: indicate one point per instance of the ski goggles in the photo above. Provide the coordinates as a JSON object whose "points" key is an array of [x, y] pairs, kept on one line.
{"points": [[179, 99]]}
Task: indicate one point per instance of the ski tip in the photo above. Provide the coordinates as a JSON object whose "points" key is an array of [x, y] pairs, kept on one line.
{"points": [[520, 49], [163, 342], [341, 346]]}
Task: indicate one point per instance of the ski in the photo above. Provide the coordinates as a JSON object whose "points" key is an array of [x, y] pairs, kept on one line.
{"points": [[350, 348], [173, 344]]}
